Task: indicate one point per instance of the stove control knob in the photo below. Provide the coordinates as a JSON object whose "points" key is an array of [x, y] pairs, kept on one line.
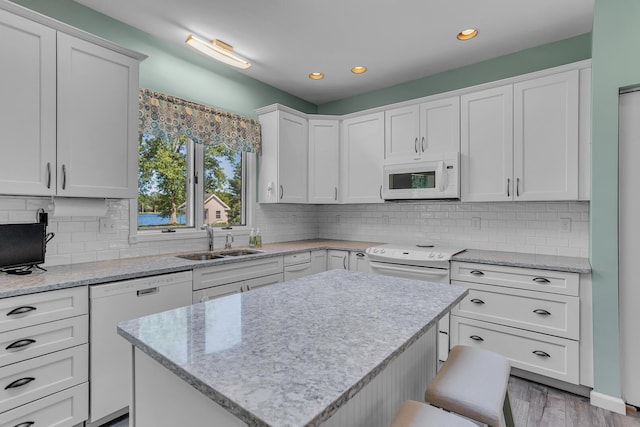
{"points": [[382, 251], [431, 255], [439, 255]]}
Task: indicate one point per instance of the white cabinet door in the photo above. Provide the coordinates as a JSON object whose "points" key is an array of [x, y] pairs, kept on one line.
{"points": [[337, 260], [362, 149], [359, 261], [283, 162], [28, 110], [318, 261], [324, 161], [546, 113], [97, 121], [486, 150], [440, 126], [402, 133]]}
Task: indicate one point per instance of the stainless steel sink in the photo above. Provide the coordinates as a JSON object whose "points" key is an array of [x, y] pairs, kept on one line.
{"points": [[201, 257], [240, 252], [206, 256]]}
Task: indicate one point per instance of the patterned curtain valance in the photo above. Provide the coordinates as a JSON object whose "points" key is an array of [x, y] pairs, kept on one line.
{"points": [[171, 117]]}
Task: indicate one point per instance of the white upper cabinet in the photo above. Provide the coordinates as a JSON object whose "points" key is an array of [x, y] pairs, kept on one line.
{"points": [[70, 128], [97, 121], [486, 152], [546, 112], [422, 130], [28, 110], [520, 141], [362, 153], [324, 164], [283, 163]]}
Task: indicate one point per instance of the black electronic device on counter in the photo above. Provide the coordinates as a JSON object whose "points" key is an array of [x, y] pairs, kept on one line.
{"points": [[22, 246]]}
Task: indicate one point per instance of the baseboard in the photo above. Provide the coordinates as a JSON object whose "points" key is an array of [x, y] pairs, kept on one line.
{"points": [[610, 403]]}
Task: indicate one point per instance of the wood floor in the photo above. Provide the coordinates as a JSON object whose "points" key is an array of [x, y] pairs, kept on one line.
{"points": [[536, 405]]}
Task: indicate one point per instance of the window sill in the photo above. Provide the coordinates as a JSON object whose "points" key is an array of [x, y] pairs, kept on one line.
{"points": [[158, 236]]}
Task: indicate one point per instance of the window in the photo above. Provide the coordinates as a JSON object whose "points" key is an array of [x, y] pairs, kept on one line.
{"points": [[169, 184]]}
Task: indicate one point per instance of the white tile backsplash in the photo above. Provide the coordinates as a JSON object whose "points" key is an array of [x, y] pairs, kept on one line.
{"points": [[520, 227]]}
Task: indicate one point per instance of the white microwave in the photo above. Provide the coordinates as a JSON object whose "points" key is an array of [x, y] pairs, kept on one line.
{"points": [[432, 179]]}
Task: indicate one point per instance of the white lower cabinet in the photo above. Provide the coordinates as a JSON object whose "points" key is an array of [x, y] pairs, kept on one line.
{"points": [[359, 261], [337, 259], [318, 261], [533, 317]]}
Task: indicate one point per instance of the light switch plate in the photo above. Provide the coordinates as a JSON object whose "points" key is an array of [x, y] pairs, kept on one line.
{"points": [[108, 226]]}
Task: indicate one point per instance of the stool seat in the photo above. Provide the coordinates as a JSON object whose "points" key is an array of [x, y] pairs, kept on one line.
{"points": [[473, 382], [418, 414]]}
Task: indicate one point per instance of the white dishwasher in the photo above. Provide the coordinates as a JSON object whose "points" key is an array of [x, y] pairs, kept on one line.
{"points": [[110, 354], [297, 265]]}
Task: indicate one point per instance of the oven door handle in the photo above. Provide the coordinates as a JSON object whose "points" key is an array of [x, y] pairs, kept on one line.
{"points": [[427, 271]]}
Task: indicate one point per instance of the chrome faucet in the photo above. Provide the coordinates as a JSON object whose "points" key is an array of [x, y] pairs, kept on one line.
{"points": [[209, 229], [227, 243]]}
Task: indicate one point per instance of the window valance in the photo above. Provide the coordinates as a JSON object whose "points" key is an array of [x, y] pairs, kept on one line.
{"points": [[171, 117]]}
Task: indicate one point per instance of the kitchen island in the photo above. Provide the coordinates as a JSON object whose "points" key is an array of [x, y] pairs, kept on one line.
{"points": [[334, 349]]}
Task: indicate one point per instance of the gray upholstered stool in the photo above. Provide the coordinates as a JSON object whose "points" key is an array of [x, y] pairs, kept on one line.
{"points": [[418, 414], [473, 382]]}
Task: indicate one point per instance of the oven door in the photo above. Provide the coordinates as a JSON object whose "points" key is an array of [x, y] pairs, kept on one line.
{"points": [[428, 274]]}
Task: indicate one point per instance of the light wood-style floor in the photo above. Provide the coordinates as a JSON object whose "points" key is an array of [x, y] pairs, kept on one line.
{"points": [[536, 405]]}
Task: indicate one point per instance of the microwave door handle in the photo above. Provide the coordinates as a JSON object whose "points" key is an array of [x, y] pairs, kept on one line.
{"points": [[441, 177]]}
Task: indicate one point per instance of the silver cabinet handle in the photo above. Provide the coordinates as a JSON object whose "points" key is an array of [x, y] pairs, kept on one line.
{"points": [[415, 145], [476, 273], [540, 280], [20, 344], [64, 177], [476, 338], [508, 186], [335, 193], [281, 192], [517, 187], [21, 310], [477, 301], [19, 383], [48, 174], [541, 353], [148, 291], [423, 144], [541, 312]]}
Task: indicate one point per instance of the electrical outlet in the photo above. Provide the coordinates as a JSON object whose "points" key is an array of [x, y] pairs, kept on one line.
{"points": [[385, 219], [108, 226], [565, 224], [475, 223]]}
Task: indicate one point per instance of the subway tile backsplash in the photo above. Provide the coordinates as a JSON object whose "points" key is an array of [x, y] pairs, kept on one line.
{"points": [[557, 228]]}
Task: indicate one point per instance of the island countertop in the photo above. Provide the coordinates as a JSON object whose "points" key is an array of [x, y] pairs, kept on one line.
{"points": [[291, 354]]}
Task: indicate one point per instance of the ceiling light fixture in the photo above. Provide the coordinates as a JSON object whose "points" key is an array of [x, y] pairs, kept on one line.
{"points": [[316, 76], [219, 50], [358, 69], [467, 34]]}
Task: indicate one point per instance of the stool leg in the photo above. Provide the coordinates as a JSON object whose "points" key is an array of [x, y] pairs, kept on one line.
{"points": [[508, 415]]}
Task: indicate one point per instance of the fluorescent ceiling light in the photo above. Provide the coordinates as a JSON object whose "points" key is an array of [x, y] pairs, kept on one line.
{"points": [[218, 50]]}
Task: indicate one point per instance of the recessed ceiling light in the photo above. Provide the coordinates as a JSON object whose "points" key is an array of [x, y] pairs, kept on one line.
{"points": [[358, 70], [316, 76], [467, 34]]}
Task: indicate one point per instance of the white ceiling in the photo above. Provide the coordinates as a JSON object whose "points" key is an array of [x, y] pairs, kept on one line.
{"points": [[398, 41]]}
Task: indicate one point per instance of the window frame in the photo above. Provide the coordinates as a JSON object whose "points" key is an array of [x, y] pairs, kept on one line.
{"points": [[195, 157]]}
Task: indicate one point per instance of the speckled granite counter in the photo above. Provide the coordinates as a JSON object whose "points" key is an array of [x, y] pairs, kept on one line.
{"points": [[514, 259], [92, 273], [291, 354]]}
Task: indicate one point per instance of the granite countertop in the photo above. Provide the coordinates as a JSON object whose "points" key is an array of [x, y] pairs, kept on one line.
{"points": [[515, 259], [292, 353], [93, 273]]}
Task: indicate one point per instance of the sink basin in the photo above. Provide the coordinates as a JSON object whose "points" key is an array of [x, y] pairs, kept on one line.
{"points": [[240, 252], [201, 257]]}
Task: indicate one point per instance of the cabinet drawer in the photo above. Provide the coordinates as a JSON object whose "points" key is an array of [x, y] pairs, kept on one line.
{"points": [[26, 343], [235, 272], [28, 310], [556, 357], [557, 282], [64, 409], [536, 311], [49, 373], [297, 258]]}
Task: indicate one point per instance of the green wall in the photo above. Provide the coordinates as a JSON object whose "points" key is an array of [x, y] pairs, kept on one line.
{"points": [[526, 61], [616, 64], [174, 68]]}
